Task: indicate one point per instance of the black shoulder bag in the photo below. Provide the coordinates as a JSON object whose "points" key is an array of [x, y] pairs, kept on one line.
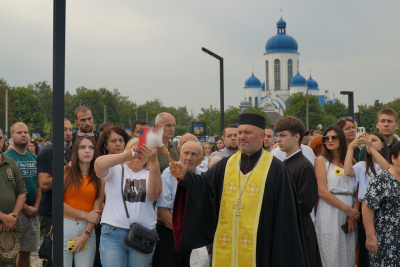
{"points": [[139, 238], [46, 249]]}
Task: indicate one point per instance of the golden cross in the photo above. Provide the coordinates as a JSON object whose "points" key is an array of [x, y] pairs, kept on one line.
{"points": [[252, 68], [281, 12], [238, 206]]}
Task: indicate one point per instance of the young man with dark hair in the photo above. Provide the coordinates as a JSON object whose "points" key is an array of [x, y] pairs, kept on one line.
{"points": [[387, 124], [229, 137], [290, 132], [137, 125], [84, 120]]}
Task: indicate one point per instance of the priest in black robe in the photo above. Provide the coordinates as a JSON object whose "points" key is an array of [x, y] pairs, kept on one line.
{"points": [[290, 132], [280, 236]]}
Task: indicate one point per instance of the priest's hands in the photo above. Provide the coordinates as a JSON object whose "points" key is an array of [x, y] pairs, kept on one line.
{"points": [[178, 173]]}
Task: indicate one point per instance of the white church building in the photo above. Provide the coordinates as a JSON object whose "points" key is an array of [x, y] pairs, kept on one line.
{"points": [[281, 77]]}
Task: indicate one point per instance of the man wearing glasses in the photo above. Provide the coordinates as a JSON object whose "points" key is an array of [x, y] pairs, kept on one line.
{"points": [[84, 120]]}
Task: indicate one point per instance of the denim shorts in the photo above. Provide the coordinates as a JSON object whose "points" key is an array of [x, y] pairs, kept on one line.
{"points": [[114, 252]]}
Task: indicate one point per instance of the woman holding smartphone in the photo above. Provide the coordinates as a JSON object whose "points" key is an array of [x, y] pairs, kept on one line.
{"points": [[375, 162], [83, 197], [141, 185], [335, 206]]}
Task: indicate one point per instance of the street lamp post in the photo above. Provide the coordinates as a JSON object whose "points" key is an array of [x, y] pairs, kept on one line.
{"points": [[307, 120], [221, 82], [351, 101], [6, 106]]}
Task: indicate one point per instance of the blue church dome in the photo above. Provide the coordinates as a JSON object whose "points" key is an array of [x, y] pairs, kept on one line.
{"points": [[298, 80], [263, 86], [253, 81], [281, 42], [312, 84]]}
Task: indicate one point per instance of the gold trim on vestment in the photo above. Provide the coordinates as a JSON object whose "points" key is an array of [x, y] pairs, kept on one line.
{"points": [[235, 239]]}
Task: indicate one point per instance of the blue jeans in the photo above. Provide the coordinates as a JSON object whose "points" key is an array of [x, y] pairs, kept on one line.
{"points": [[85, 257], [114, 252]]}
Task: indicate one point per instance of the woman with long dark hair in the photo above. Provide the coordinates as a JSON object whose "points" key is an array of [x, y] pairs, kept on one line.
{"points": [[382, 214], [83, 197], [336, 191], [376, 161]]}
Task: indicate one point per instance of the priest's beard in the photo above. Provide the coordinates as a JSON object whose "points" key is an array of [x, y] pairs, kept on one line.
{"points": [[251, 148]]}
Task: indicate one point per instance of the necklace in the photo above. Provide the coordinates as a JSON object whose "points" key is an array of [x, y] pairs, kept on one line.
{"points": [[238, 205]]}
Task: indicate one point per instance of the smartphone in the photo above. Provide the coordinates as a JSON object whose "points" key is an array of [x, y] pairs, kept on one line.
{"points": [[71, 245], [345, 227], [142, 136]]}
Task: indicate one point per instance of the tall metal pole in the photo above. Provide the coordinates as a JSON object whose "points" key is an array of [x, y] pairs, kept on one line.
{"points": [[221, 83], [307, 123], [350, 95], [6, 105], [58, 129], [105, 104]]}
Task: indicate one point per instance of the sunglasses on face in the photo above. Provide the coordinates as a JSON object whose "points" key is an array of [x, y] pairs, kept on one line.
{"points": [[85, 134], [347, 119], [1, 137], [327, 138]]}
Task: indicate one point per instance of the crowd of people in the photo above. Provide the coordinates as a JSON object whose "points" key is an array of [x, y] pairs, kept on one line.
{"points": [[318, 198]]}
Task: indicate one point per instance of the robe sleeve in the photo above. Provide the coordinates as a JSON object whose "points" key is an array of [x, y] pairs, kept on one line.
{"points": [[280, 238], [196, 208], [307, 189]]}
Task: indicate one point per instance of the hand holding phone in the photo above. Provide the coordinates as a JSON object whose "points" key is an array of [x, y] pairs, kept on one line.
{"points": [[71, 245]]}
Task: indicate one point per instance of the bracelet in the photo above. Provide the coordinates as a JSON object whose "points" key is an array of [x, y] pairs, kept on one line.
{"points": [[87, 232]]}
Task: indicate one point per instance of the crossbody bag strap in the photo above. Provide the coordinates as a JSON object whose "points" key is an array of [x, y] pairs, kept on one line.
{"points": [[122, 191]]}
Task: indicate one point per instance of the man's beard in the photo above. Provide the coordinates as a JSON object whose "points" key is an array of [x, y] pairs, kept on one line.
{"points": [[21, 145], [67, 144], [232, 147], [86, 130], [251, 148]]}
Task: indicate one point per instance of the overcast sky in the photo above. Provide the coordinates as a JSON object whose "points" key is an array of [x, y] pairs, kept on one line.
{"points": [[152, 49]]}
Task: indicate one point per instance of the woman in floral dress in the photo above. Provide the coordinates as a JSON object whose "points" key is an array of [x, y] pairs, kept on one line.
{"points": [[381, 214], [335, 206]]}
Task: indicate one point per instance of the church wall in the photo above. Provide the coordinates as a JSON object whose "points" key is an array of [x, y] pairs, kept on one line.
{"points": [[283, 57], [298, 89], [252, 92]]}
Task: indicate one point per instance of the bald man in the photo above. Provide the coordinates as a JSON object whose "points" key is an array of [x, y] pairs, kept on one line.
{"points": [[166, 122], [28, 218], [191, 155]]}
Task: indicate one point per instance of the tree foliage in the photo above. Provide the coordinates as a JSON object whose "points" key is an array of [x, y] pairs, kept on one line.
{"points": [[297, 108]]}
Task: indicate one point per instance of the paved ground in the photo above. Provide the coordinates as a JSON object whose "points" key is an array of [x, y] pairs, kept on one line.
{"points": [[35, 261]]}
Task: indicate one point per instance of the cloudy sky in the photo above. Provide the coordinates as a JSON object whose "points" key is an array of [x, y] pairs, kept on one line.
{"points": [[152, 49]]}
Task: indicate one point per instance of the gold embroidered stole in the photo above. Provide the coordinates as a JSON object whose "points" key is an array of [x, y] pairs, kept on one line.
{"points": [[235, 239]]}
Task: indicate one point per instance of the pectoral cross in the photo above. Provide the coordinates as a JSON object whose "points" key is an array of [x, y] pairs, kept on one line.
{"points": [[237, 206]]}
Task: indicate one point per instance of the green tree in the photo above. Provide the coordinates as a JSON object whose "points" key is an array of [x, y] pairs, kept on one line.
{"points": [[42, 90], [211, 116], [369, 115], [27, 109], [297, 108], [3, 87], [231, 115]]}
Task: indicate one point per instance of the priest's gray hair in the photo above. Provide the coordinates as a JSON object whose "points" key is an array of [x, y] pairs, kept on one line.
{"points": [[199, 148]]}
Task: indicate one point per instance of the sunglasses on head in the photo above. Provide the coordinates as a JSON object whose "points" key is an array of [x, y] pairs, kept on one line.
{"points": [[333, 138], [85, 134], [346, 119]]}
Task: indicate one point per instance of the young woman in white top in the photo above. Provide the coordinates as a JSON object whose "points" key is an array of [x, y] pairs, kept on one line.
{"points": [[375, 162], [335, 206], [141, 187]]}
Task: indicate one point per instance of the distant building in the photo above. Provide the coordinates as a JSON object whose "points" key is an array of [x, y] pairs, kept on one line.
{"points": [[282, 77]]}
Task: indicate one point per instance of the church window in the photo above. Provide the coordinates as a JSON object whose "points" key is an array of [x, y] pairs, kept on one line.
{"points": [[277, 73], [266, 76], [256, 101], [251, 103], [290, 71]]}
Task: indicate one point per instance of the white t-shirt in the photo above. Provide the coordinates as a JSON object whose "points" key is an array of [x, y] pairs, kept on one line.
{"points": [[307, 152], [362, 179], [139, 205]]}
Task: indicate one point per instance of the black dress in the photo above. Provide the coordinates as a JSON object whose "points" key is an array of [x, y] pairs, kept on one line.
{"points": [[383, 196]]}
